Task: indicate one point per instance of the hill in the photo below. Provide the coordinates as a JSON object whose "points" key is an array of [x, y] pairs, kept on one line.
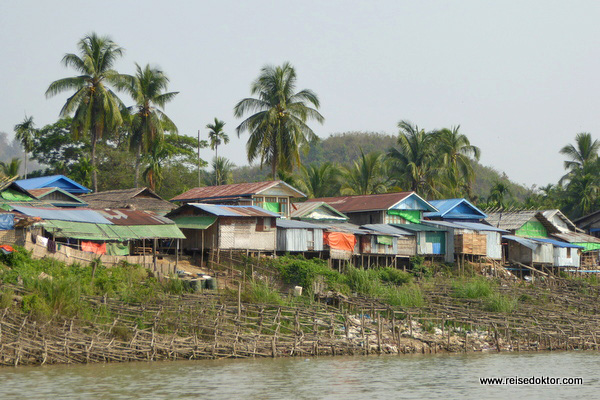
{"points": [[344, 148]]}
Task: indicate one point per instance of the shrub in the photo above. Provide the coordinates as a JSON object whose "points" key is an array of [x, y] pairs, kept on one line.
{"points": [[36, 306], [405, 296], [261, 292], [472, 288], [500, 303], [6, 298], [394, 276]]}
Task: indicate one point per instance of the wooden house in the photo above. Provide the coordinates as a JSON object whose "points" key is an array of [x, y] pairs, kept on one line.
{"points": [[316, 211], [226, 227], [274, 196], [430, 240], [528, 251], [299, 236], [388, 240], [385, 208], [57, 197], [473, 239], [13, 194], [59, 181], [135, 199]]}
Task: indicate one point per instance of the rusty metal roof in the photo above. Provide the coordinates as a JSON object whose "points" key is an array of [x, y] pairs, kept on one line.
{"points": [[576, 237], [223, 192], [371, 202], [133, 217]]}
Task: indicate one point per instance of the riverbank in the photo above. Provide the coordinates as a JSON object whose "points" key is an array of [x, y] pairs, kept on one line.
{"points": [[454, 314]]}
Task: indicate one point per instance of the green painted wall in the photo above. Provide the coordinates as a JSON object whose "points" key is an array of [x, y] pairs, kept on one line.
{"points": [[532, 229]]}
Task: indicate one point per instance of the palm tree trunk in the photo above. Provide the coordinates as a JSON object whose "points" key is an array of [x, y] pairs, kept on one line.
{"points": [[25, 165], [138, 162], [94, 172], [216, 165]]}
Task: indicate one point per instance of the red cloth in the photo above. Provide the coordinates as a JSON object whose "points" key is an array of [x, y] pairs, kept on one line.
{"points": [[92, 247], [7, 248], [340, 240]]}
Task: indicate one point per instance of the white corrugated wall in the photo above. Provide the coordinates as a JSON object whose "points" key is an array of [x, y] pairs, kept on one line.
{"points": [[562, 260], [493, 246]]}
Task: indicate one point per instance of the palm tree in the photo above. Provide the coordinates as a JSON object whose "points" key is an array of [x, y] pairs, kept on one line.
{"points": [[148, 121], [581, 154], [10, 169], [95, 107], [413, 160], [457, 153], [365, 176], [155, 158], [216, 136], [222, 172], [320, 180], [82, 171], [498, 192], [25, 133], [277, 126]]}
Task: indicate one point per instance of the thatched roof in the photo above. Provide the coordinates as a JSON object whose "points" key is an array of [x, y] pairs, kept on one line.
{"points": [[137, 199], [513, 220]]}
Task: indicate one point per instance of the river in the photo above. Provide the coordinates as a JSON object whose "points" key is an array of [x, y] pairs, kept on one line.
{"points": [[447, 376]]}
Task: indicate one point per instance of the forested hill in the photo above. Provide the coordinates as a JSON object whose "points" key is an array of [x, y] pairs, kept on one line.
{"points": [[344, 148]]}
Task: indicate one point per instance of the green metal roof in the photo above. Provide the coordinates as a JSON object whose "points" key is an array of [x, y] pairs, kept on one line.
{"points": [[194, 222], [82, 230]]}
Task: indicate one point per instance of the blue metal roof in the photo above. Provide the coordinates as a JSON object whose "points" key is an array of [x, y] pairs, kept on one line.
{"points": [[558, 243], [62, 214], [478, 226], [234, 211], [59, 181], [521, 240], [455, 209]]}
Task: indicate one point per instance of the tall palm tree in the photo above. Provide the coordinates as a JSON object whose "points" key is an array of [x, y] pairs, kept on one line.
{"points": [[277, 126], [10, 169], [82, 171], [365, 176], [25, 133], [216, 136], [457, 153], [320, 180], [148, 121], [95, 107], [413, 159]]}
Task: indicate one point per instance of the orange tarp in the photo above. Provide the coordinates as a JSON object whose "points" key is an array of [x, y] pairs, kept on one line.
{"points": [[339, 240], [92, 247]]}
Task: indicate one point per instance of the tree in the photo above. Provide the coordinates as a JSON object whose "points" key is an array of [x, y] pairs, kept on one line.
{"points": [[222, 172], [498, 193], [413, 159], [365, 176], [216, 136], [54, 145], [25, 133], [10, 169], [457, 152], [320, 180], [277, 126], [82, 171], [584, 151], [95, 107], [155, 160], [148, 121]]}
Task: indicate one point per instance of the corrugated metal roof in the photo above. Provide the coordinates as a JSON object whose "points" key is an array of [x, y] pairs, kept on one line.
{"points": [[136, 198], [103, 232], [419, 227], [525, 242], [294, 224], [234, 190], [347, 227], [478, 226], [386, 229], [43, 192], [89, 216], [447, 224], [234, 211], [195, 221], [372, 202], [134, 217], [300, 210], [557, 243], [575, 237], [60, 181], [513, 220], [447, 205]]}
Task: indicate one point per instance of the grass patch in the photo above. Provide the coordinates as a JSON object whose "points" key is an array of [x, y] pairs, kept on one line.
{"points": [[405, 296], [500, 303], [261, 292], [474, 288]]}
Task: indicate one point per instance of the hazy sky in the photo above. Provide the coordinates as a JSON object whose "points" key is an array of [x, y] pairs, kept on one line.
{"points": [[520, 77]]}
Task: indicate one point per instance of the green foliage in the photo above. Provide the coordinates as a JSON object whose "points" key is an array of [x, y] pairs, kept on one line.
{"points": [[6, 298], [497, 302], [297, 270], [261, 292], [394, 276], [36, 306], [405, 296], [472, 288]]}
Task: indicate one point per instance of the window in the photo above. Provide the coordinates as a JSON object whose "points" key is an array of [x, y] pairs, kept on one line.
{"points": [[258, 201], [568, 252]]}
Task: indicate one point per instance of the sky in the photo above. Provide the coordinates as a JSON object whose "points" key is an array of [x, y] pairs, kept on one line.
{"points": [[521, 78]]}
